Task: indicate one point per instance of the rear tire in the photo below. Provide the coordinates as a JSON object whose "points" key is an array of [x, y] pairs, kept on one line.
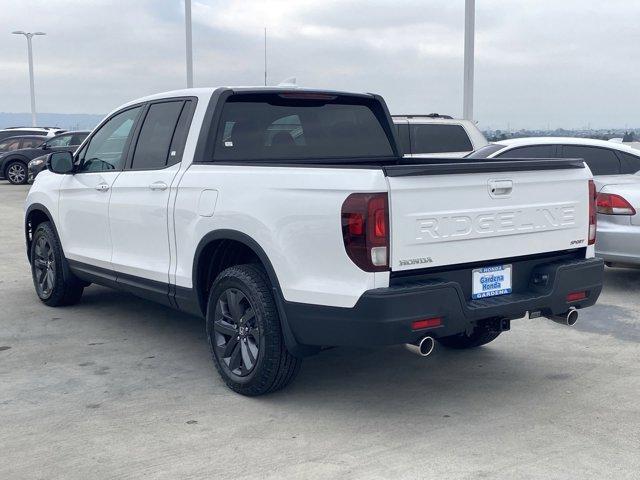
{"points": [[16, 172], [481, 335], [244, 333], [54, 283]]}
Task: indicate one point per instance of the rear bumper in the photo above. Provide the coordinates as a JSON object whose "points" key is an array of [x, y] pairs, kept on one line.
{"points": [[618, 243], [383, 316]]}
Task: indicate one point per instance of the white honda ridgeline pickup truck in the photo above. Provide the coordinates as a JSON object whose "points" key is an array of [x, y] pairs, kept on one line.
{"points": [[290, 221]]}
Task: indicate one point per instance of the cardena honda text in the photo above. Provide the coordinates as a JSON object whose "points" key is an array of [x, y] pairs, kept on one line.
{"points": [[290, 221]]}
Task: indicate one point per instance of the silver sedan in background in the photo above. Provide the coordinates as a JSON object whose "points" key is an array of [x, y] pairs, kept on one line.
{"points": [[618, 208], [616, 173]]}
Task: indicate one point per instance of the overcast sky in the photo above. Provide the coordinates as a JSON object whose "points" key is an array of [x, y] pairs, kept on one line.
{"points": [[567, 63]]}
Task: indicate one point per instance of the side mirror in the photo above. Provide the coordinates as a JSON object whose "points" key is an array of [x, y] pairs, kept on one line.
{"points": [[45, 146], [60, 162]]}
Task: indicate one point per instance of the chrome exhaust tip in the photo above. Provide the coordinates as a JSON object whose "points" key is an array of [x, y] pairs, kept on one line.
{"points": [[424, 347], [569, 318]]}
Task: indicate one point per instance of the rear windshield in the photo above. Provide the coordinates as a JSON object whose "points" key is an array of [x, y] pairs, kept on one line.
{"points": [[275, 127], [439, 138]]}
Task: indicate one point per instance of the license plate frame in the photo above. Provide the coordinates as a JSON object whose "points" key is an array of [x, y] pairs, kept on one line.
{"points": [[491, 281]]}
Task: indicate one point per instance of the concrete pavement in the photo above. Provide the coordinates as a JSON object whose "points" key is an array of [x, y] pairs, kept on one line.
{"points": [[118, 387]]}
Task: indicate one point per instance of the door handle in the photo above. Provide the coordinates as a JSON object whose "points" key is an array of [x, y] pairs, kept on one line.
{"points": [[500, 188], [158, 186], [102, 187]]}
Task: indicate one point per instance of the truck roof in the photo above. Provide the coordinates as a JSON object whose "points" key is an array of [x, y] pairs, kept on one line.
{"points": [[206, 92]]}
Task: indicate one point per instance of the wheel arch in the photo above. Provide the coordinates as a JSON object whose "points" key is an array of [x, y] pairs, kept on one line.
{"points": [[212, 244], [35, 215], [207, 248], [13, 158]]}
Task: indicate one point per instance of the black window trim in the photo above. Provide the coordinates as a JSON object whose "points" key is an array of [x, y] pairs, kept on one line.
{"points": [[125, 150], [188, 106]]}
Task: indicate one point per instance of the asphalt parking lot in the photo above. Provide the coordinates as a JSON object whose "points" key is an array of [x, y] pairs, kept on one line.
{"points": [[118, 387]]}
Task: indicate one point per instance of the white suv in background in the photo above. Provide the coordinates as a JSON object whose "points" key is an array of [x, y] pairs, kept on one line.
{"points": [[20, 131], [435, 135]]}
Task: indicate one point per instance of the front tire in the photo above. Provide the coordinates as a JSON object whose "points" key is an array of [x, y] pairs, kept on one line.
{"points": [[244, 332], [481, 335], [54, 285], [16, 172]]}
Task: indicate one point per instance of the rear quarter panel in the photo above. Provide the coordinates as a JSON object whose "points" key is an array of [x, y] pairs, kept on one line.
{"points": [[293, 213]]}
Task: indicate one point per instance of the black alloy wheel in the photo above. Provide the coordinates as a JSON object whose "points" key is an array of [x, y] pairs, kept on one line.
{"points": [[245, 334], [236, 332], [44, 266], [54, 283]]}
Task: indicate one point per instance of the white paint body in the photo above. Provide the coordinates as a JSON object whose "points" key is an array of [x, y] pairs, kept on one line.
{"points": [[294, 214], [454, 219]]}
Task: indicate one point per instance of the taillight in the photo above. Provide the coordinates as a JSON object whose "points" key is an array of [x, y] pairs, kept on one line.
{"points": [[365, 230], [575, 296], [426, 323], [307, 96], [592, 212], [612, 204]]}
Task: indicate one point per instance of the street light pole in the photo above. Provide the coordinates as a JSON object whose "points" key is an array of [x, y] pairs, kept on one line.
{"points": [[187, 22], [469, 34], [29, 36]]}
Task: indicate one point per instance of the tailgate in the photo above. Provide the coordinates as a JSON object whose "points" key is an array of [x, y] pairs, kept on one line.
{"points": [[449, 214]]}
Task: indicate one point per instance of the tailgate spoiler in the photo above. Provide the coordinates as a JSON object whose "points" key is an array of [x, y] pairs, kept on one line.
{"points": [[445, 166]]}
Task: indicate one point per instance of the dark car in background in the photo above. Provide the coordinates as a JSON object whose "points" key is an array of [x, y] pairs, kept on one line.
{"points": [[23, 141], [14, 165]]}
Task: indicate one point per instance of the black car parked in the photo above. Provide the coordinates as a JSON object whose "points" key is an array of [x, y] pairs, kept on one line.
{"points": [[13, 165]]}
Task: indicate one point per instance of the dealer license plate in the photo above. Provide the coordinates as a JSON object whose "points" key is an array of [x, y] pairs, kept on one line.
{"points": [[491, 281]]}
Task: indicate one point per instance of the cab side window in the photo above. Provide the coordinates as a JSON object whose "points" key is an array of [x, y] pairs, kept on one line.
{"points": [[629, 163], [534, 151], [61, 141], [11, 144], [152, 149], [439, 138], [78, 138], [601, 161], [31, 142], [106, 151], [402, 132]]}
